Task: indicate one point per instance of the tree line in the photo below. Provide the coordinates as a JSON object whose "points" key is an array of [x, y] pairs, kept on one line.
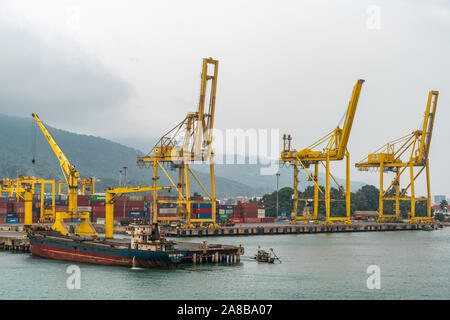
{"points": [[365, 199]]}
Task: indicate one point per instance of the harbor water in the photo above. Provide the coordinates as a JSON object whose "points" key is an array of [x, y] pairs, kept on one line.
{"points": [[412, 265]]}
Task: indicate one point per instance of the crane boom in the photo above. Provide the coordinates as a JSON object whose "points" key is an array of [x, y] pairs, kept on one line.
{"points": [[428, 124], [63, 161], [350, 115]]}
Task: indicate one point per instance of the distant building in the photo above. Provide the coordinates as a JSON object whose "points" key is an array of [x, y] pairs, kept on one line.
{"points": [[439, 198], [437, 209]]}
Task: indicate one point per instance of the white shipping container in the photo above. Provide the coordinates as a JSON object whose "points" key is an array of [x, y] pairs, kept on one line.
{"points": [[167, 210], [261, 213], [85, 209], [100, 220], [221, 211]]}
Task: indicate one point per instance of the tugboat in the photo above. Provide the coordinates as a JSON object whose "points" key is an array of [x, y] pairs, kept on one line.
{"points": [[264, 256]]}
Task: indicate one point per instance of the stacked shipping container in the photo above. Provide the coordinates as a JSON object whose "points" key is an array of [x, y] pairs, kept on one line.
{"points": [[13, 211]]}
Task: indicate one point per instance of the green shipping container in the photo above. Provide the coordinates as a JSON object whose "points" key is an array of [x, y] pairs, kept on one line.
{"points": [[98, 198], [223, 217], [229, 211]]}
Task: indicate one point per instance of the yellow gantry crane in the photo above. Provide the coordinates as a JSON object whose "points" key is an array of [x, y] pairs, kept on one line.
{"points": [[86, 184], [111, 196], [71, 176], [332, 147], [47, 215], [402, 154], [21, 190], [189, 141]]}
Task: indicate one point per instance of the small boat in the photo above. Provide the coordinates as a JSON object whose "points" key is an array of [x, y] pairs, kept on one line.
{"points": [[264, 256]]}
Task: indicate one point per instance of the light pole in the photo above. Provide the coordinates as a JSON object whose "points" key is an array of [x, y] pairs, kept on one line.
{"points": [[125, 176], [278, 175]]}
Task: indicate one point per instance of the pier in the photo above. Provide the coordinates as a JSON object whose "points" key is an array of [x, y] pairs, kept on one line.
{"points": [[14, 241], [275, 229]]}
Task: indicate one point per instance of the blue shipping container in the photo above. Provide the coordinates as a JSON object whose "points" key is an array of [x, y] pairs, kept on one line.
{"points": [[12, 220], [204, 216], [202, 205], [76, 220], [136, 213]]}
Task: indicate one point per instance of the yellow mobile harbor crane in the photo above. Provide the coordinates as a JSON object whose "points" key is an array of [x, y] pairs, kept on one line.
{"points": [[189, 141], [414, 149], [71, 177], [333, 148]]}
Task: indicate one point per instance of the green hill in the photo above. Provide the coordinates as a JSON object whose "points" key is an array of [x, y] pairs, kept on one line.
{"points": [[101, 158], [92, 156]]}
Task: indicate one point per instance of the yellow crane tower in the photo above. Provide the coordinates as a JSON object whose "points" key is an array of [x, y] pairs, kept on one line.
{"points": [[189, 141], [399, 155], [332, 147], [71, 176]]}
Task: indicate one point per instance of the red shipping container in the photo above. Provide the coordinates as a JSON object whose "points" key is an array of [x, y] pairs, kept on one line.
{"points": [[61, 208], [97, 203], [96, 215], [135, 208], [135, 203], [202, 210]]}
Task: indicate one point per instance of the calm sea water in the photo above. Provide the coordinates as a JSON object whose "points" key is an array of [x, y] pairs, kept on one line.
{"points": [[413, 264]]}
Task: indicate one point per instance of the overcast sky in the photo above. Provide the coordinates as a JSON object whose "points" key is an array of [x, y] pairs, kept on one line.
{"points": [[129, 70]]}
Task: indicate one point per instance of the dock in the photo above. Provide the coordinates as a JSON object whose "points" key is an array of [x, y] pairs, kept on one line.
{"points": [[210, 253], [276, 229], [14, 241]]}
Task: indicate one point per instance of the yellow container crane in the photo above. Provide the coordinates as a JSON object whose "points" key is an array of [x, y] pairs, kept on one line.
{"points": [[71, 176], [87, 184], [111, 196], [398, 156], [332, 147], [189, 141], [24, 191], [47, 215]]}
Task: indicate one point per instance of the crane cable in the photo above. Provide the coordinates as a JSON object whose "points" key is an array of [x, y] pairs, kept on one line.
{"points": [[33, 141]]}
